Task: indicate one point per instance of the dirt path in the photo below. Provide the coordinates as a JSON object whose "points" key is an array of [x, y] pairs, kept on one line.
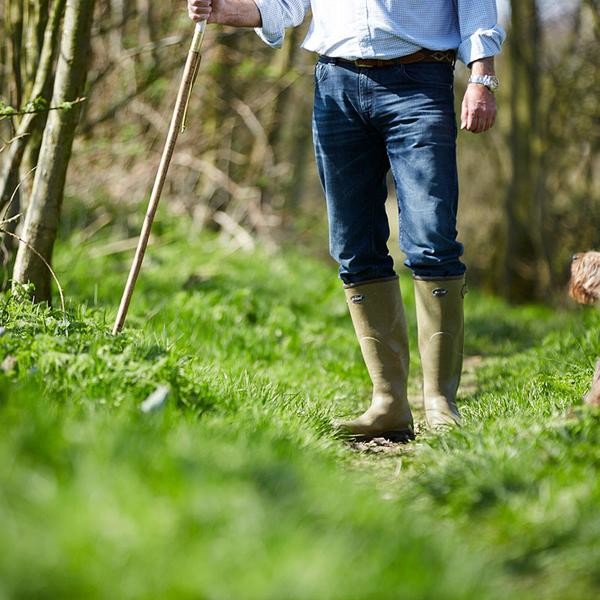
{"points": [[379, 448]]}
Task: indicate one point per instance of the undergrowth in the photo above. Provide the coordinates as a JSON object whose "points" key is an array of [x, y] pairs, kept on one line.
{"points": [[235, 485]]}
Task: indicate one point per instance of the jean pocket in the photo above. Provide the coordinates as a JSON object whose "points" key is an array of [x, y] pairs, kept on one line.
{"points": [[430, 74], [321, 71]]}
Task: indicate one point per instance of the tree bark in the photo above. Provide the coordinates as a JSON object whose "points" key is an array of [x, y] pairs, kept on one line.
{"points": [[41, 222], [37, 23], [34, 26], [523, 216], [3, 48], [33, 121], [147, 33], [15, 23]]}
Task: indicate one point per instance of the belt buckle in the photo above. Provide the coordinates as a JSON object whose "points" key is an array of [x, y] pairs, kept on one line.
{"points": [[439, 56], [442, 56], [362, 63]]}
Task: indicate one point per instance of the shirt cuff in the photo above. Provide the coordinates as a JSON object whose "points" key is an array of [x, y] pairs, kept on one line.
{"points": [[483, 43], [272, 31]]}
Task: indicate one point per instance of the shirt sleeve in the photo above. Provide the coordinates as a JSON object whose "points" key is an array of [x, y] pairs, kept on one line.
{"points": [[276, 16], [481, 35]]}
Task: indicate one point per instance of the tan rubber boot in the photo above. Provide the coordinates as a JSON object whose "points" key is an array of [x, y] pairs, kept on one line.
{"points": [[378, 318], [440, 322]]}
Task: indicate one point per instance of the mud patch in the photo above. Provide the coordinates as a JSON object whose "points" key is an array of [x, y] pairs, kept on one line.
{"points": [[385, 446]]}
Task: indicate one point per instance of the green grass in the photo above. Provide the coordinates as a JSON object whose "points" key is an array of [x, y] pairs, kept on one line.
{"points": [[236, 488]]}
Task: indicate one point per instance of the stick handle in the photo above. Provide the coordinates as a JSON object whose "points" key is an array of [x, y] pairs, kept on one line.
{"points": [[198, 36], [187, 81]]}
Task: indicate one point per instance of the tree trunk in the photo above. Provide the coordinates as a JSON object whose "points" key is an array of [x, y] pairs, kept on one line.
{"points": [[19, 157], [41, 88], [34, 25], [3, 49], [147, 33], [15, 23], [37, 24], [523, 217], [41, 222]]}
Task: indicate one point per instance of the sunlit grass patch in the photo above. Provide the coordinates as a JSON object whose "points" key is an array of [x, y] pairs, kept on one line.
{"points": [[234, 486]]}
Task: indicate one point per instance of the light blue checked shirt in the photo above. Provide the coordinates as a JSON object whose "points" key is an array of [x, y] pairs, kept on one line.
{"points": [[387, 28]]}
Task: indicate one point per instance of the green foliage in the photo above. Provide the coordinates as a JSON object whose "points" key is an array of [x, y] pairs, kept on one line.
{"points": [[68, 105], [236, 488], [6, 110], [36, 105]]}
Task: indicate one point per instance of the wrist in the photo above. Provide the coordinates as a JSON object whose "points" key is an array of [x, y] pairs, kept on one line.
{"points": [[238, 13], [483, 66], [483, 73]]}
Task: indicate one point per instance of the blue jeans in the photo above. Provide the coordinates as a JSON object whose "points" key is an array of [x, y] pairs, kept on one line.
{"points": [[366, 121]]}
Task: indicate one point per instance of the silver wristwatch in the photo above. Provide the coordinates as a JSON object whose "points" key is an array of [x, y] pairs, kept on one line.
{"points": [[489, 81]]}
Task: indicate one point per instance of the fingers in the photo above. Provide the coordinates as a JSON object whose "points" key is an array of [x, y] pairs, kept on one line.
{"points": [[464, 113], [199, 10], [486, 119], [478, 112], [481, 124], [490, 121]]}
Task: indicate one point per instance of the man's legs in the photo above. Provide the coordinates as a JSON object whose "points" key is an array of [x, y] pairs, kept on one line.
{"points": [[352, 161], [353, 164], [415, 114]]}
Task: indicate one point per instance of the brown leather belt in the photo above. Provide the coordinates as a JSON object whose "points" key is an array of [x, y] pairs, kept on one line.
{"points": [[423, 55]]}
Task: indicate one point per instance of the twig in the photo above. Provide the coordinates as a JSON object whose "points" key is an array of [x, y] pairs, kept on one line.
{"points": [[115, 247], [34, 111], [212, 172], [13, 195], [12, 219], [252, 122], [173, 40], [234, 229], [13, 139], [94, 227], [22, 241]]}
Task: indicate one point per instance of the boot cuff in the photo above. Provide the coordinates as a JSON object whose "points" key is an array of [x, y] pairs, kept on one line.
{"points": [[348, 286]]}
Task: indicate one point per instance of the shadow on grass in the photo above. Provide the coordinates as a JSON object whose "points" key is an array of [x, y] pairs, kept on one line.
{"points": [[501, 336]]}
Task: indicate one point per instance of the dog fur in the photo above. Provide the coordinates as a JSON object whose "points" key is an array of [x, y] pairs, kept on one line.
{"points": [[584, 288]]}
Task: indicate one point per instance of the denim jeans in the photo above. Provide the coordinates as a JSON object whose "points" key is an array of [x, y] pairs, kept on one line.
{"points": [[366, 121]]}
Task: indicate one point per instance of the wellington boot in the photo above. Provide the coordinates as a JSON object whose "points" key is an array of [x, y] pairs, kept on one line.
{"points": [[440, 322], [378, 318]]}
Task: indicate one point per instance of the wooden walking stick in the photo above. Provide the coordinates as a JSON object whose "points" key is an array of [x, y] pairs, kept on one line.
{"points": [[177, 125]]}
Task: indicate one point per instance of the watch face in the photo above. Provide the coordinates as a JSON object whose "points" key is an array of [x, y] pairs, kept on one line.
{"points": [[492, 82]]}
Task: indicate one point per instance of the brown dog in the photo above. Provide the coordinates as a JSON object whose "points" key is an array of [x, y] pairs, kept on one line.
{"points": [[584, 287]]}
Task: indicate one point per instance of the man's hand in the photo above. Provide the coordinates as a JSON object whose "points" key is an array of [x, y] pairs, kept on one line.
{"points": [[479, 104], [238, 13], [478, 109], [199, 10]]}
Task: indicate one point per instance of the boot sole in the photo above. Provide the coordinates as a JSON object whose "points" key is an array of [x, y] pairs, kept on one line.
{"points": [[401, 437]]}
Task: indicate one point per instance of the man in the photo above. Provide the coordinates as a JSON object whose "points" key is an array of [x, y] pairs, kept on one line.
{"points": [[384, 100]]}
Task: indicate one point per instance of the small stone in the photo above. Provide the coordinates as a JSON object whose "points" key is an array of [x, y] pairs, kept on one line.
{"points": [[156, 400], [9, 364]]}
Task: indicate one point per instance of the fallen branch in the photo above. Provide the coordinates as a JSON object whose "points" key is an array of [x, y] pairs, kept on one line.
{"points": [[116, 247]]}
